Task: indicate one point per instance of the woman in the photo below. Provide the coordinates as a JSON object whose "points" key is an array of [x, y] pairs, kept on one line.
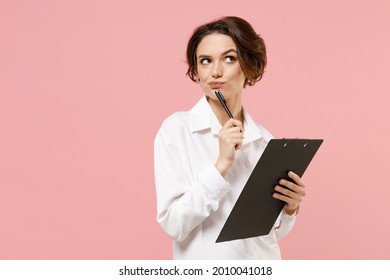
{"points": [[203, 159]]}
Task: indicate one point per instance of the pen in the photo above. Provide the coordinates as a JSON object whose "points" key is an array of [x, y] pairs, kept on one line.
{"points": [[221, 99]]}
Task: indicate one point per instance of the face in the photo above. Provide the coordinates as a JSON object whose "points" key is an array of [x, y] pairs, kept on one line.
{"points": [[218, 66]]}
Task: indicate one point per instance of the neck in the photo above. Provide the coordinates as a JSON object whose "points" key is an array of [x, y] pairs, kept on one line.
{"points": [[235, 106]]}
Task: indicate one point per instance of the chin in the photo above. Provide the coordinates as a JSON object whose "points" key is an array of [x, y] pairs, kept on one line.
{"points": [[210, 94]]}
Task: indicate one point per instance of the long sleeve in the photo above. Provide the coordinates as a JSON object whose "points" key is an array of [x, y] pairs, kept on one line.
{"points": [[194, 200], [286, 223], [182, 204]]}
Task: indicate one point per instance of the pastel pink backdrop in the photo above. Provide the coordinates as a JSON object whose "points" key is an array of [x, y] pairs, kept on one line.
{"points": [[85, 85]]}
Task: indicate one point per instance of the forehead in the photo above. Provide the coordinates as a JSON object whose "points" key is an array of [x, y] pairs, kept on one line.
{"points": [[215, 44]]}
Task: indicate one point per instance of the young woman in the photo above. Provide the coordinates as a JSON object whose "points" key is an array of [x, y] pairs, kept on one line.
{"points": [[203, 159]]}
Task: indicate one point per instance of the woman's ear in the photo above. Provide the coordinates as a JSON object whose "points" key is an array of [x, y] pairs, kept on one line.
{"points": [[248, 82]]}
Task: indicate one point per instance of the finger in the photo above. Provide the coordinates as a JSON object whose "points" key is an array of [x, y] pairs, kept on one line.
{"points": [[225, 136], [235, 131], [235, 122], [297, 197], [232, 123], [237, 135], [296, 179], [289, 202], [232, 129], [292, 186], [235, 141], [285, 199]]}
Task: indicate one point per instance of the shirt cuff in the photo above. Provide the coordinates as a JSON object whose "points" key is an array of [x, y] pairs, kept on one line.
{"points": [[286, 218], [214, 182]]}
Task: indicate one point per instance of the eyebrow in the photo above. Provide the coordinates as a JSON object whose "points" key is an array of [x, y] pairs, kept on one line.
{"points": [[225, 52]]}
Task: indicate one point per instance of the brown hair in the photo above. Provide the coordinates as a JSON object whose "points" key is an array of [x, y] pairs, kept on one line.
{"points": [[251, 49]]}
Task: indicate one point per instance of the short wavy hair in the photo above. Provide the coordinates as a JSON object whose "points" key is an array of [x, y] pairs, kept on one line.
{"points": [[251, 50]]}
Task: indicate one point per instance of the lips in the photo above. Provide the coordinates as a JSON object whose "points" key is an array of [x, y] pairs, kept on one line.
{"points": [[216, 85]]}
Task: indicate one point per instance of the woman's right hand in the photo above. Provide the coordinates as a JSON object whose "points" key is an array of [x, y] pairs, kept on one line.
{"points": [[230, 139]]}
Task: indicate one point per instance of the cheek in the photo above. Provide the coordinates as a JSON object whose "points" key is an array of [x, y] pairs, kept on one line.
{"points": [[236, 71], [239, 76], [202, 74]]}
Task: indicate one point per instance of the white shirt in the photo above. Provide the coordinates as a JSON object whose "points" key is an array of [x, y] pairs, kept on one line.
{"points": [[194, 200]]}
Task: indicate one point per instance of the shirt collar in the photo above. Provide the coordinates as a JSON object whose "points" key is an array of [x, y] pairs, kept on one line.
{"points": [[202, 117]]}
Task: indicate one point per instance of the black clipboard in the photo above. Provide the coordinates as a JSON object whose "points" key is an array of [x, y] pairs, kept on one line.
{"points": [[255, 211]]}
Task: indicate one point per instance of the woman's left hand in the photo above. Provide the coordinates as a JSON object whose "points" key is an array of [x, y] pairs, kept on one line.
{"points": [[292, 193]]}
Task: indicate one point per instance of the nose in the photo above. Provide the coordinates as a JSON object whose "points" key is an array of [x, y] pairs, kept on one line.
{"points": [[217, 71]]}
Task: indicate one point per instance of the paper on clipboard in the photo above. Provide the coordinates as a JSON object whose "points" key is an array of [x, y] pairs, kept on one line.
{"points": [[255, 211]]}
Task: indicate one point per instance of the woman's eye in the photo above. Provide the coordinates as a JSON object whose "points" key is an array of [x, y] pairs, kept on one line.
{"points": [[205, 61], [230, 59]]}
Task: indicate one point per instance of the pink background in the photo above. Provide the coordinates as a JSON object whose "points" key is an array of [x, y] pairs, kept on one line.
{"points": [[85, 85]]}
